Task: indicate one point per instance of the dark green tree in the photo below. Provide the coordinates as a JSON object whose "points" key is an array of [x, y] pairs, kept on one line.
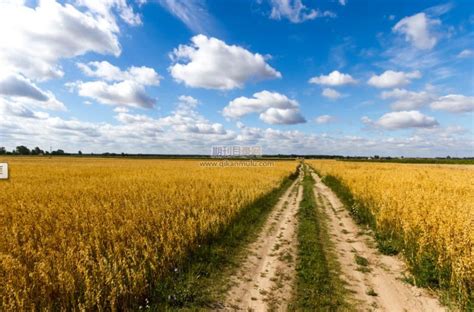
{"points": [[58, 152], [37, 151], [22, 150]]}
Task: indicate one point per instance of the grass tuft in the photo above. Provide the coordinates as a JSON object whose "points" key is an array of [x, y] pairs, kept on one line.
{"points": [[361, 261]]}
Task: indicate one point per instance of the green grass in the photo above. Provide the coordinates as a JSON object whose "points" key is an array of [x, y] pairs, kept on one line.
{"points": [[371, 292], [318, 286], [198, 282], [361, 261]]}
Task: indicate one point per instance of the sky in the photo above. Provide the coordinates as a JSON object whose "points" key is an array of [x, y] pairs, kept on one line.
{"points": [[345, 77]]}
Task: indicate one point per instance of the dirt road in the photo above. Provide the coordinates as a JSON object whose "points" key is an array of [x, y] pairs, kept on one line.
{"points": [[264, 281], [374, 279]]}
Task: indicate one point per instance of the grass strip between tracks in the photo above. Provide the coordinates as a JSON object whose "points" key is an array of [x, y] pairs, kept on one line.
{"points": [[318, 286]]}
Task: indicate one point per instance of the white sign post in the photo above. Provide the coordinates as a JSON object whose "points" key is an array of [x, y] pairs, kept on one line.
{"points": [[3, 171]]}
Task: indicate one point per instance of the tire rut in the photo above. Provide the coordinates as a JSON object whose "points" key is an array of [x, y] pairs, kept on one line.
{"points": [[264, 282], [375, 280]]}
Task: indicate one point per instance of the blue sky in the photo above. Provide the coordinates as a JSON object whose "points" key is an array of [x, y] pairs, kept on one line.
{"points": [[293, 76]]}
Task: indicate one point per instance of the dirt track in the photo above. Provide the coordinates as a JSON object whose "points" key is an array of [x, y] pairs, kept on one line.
{"points": [[264, 281], [376, 285]]}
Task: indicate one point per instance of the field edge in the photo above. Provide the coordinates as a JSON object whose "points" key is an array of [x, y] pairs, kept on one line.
{"points": [[199, 282], [393, 243]]}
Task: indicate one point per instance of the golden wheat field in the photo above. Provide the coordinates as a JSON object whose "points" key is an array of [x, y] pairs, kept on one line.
{"points": [[91, 233], [430, 207]]}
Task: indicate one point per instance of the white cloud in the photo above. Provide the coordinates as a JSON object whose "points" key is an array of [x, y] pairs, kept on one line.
{"points": [[192, 13], [295, 11], [26, 92], [335, 78], [454, 103], [187, 102], [44, 34], [121, 109], [279, 116], [466, 53], [106, 9], [18, 85], [18, 109], [122, 88], [124, 93], [183, 131], [186, 119], [416, 29], [402, 120], [331, 94], [440, 9], [260, 102], [212, 64], [342, 2], [151, 135], [392, 79], [407, 100], [324, 119], [128, 118], [142, 75], [274, 108]]}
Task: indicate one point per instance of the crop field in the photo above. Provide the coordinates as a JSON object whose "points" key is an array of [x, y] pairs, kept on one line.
{"points": [[85, 233], [426, 212], [116, 234]]}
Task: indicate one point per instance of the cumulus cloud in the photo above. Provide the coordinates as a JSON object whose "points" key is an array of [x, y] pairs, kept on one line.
{"points": [[118, 87], [324, 119], [25, 91], [295, 11], [54, 31], [417, 30], [19, 109], [274, 108], [150, 135], [124, 93], [407, 100], [454, 103], [342, 2], [259, 102], [212, 64], [18, 85], [392, 79], [278, 116], [187, 102], [402, 120], [331, 94], [142, 75], [186, 119], [335, 78]]}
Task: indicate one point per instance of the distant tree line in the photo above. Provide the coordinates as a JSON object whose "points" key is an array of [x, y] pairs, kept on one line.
{"points": [[23, 150]]}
